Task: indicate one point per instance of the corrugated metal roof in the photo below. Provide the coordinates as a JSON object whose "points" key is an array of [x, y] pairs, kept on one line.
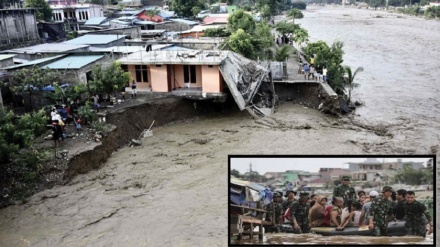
{"points": [[34, 62], [73, 62], [6, 56], [47, 48], [91, 39], [95, 21], [185, 21]]}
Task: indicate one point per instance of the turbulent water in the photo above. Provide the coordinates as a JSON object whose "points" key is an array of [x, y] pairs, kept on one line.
{"points": [[173, 190], [400, 55]]}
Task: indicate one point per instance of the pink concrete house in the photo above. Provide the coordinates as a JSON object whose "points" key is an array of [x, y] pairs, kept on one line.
{"points": [[168, 71], [202, 75]]}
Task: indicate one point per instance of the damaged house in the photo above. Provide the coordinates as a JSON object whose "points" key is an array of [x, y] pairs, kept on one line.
{"points": [[204, 75]]}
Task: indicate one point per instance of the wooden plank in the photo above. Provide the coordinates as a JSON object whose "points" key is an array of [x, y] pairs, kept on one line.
{"points": [[245, 207]]}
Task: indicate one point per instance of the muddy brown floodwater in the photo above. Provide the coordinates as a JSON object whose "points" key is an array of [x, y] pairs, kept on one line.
{"points": [[172, 191]]}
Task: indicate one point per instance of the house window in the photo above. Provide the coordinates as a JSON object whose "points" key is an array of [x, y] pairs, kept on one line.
{"points": [[144, 73], [124, 67], [141, 73], [189, 73], [210, 66]]}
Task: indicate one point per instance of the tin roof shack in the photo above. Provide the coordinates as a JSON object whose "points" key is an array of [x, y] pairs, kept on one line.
{"points": [[46, 50], [17, 26], [6, 60], [98, 40], [204, 75], [77, 68]]}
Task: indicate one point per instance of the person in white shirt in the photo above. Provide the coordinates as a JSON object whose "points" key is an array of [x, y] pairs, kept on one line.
{"points": [[353, 216]]}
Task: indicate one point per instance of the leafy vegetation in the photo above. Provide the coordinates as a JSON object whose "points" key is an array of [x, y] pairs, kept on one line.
{"points": [[184, 8], [29, 81], [44, 12], [241, 20], [282, 53], [217, 32], [108, 79], [411, 176], [295, 14]]}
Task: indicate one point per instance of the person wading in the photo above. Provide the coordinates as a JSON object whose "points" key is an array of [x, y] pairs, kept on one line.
{"points": [[380, 211], [299, 212], [417, 216]]}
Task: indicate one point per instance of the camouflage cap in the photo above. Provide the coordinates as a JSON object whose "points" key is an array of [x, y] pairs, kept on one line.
{"points": [[345, 178], [288, 192], [351, 190], [303, 194], [276, 194], [387, 188]]}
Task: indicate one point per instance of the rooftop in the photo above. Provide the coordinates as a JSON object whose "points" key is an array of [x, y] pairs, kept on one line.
{"points": [[95, 21], [6, 56], [185, 21], [175, 57], [34, 62], [47, 48], [73, 62], [95, 39]]}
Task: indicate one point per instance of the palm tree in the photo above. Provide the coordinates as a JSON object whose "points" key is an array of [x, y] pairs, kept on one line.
{"points": [[295, 14], [349, 79], [283, 53]]}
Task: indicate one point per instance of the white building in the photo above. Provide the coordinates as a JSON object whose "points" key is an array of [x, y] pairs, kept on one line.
{"points": [[75, 14]]}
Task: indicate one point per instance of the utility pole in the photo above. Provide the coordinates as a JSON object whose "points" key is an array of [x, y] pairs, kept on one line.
{"points": [[250, 171]]}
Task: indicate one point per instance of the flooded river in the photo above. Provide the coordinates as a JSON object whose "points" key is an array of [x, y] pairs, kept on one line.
{"points": [[172, 191]]}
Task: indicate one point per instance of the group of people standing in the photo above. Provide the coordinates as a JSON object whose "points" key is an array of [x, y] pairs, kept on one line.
{"points": [[310, 70], [348, 208], [62, 116]]}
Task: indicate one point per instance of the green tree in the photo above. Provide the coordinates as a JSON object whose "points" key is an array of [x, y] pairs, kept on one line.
{"points": [[215, 9], [295, 14], [299, 5], [44, 12], [216, 32], [241, 20], [235, 173], [282, 53], [241, 42], [184, 8], [152, 12], [411, 176], [108, 80], [272, 4], [19, 132], [300, 36], [284, 27], [27, 81], [266, 12], [349, 79], [196, 10]]}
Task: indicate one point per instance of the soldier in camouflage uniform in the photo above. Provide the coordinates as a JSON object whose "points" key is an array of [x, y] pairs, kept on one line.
{"points": [[299, 212], [345, 191], [417, 216], [380, 212], [290, 194], [276, 207]]}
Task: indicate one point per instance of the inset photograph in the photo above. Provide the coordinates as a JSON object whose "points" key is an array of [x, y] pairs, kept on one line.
{"points": [[332, 200]]}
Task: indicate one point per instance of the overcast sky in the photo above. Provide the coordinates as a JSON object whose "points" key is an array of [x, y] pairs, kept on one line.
{"points": [[274, 164]]}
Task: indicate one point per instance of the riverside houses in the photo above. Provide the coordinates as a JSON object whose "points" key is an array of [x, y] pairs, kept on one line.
{"points": [[203, 74]]}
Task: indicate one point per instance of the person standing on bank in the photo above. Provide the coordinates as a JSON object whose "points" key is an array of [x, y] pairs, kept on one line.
{"points": [[299, 214], [380, 212], [133, 89], [344, 190], [416, 216]]}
